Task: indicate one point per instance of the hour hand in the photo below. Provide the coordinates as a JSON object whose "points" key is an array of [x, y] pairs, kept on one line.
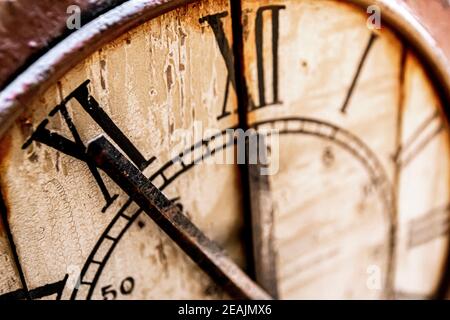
{"points": [[203, 251]]}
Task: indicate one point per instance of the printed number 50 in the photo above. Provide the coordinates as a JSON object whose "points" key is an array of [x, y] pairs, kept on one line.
{"points": [[126, 288]]}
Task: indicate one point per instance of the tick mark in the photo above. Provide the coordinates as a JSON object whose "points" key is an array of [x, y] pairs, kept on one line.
{"points": [[372, 39], [328, 157]]}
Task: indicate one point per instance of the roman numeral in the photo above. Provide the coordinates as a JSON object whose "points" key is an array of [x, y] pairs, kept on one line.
{"points": [[372, 39], [429, 227], [76, 147], [91, 106], [216, 24], [420, 138], [259, 38]]}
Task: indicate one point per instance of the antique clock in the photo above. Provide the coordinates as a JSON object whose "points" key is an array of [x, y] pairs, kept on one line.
{"points": [[120, 146]]}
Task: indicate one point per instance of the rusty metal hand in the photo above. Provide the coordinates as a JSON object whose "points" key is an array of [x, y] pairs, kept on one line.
{"points": [[203, 251]]}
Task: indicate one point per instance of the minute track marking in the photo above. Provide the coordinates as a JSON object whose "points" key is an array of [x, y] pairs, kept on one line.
{"points": [[205, 252]]}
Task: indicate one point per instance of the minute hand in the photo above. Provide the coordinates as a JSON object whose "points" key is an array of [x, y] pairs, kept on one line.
{"points": [[203, 251]]}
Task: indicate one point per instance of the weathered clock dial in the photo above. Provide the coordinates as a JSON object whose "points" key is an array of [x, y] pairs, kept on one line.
{"points": [[120, 177]]}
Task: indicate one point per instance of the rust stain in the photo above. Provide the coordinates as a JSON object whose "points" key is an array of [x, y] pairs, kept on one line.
{"points": [[102, 71], [4, 197], [169, 77], [26, 126], [2, 231], [5, 148]]}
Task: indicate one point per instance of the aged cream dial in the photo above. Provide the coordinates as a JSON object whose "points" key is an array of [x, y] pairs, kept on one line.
{"points": [[116, 176]]}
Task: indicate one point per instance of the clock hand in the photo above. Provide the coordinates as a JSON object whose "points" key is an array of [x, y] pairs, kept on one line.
{"points": [[37, 293], [261, 211], [203, 251]]}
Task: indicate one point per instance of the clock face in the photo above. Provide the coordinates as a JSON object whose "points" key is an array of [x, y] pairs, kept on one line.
{"points": [[351, 202]]}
